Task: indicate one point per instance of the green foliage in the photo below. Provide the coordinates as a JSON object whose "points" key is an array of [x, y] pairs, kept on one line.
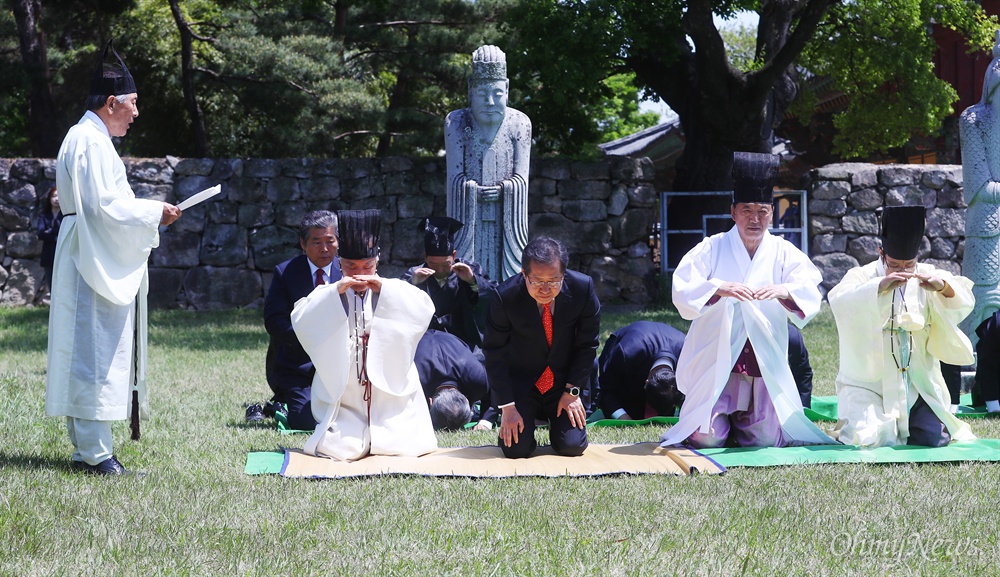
{"points": [[619, 116], [878, 52], [568, 72], [741, 46], [13, 98], [880, 55]]}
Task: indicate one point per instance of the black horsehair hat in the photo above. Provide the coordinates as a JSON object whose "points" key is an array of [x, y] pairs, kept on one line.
{"points": [[439, 235], [111, 78], [902, 231], [754, 175], [359, 233]]}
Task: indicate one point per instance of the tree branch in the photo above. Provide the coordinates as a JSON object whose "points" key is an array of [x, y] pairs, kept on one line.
{"points": [[218, 76], [365, 132], [809, 18]]}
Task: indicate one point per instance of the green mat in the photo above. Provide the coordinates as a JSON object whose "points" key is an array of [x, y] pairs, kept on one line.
{"points": [[264, 463], [260, 463], [825, 409], [978, 450], [282, 421]]}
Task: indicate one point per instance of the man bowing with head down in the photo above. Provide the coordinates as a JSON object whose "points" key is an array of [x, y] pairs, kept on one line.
{"points": [[897, 320], [738, 288], [361, 333]]}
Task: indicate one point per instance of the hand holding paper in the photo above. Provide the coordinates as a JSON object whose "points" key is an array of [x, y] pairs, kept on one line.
{"points": [[200, 197]]}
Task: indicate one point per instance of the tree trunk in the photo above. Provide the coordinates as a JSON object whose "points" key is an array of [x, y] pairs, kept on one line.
{"points": [[188, 84], [723, 110], [395, 123], [42, 120]]}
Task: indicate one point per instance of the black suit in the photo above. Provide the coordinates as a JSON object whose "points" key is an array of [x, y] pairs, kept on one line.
{"points": [[457, 308], [630, 352], [443, 359], [798, 362], [517, 354], [626, 360], [988, 362], [289, 369]]}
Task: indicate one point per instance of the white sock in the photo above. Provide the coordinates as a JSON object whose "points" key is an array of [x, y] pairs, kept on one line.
{"points": [[954, 409], [993, 406]]}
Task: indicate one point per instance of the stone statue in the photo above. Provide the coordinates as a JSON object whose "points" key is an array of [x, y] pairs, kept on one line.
{"points": [[488, 149], [980, 132]]}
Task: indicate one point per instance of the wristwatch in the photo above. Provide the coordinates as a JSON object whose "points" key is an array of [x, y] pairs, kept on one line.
{"points": [[574, 391]]}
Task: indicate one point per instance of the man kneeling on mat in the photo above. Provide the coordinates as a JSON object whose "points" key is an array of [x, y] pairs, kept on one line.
{"points": [[897, 319]]}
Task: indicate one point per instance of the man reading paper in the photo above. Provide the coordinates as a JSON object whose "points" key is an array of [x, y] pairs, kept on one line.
{"points": [[97, 322]]}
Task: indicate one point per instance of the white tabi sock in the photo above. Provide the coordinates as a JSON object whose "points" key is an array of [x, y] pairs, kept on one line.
{"points": [[954, 409], [993, 406]]}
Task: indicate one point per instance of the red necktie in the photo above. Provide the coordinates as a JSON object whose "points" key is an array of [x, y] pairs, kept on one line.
{"points": [[547, 379], [319, 277]]}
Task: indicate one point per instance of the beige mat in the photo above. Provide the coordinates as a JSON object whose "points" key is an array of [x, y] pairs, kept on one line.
{"points": [[643, 458]]}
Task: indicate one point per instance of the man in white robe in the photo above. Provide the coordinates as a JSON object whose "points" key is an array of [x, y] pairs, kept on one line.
{"points": [[897, 319], [362, 333], [97, 320], [739, 288]]}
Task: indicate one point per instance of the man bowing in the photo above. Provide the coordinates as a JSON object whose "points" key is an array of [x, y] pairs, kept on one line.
{"points": [[898, 319], [361, 334]]}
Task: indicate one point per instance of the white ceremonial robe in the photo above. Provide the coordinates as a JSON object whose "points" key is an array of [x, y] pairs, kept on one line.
{"points": [[99, 282], [719, 331], [397, 421], [873, 398]]}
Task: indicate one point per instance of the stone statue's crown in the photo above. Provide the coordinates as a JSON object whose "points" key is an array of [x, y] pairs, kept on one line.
{"points": [[489, 63]]}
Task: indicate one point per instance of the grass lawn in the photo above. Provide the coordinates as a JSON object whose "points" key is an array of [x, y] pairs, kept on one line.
{"points": [[197, 513]]}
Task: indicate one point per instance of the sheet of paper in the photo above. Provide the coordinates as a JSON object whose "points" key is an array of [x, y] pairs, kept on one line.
{"points": [[200, 197]]}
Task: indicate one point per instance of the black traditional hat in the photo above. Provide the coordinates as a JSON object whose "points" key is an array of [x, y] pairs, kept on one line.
{"points": [[439, 235], [902, 231], [358, 233], [754, 175], [111, 78]]}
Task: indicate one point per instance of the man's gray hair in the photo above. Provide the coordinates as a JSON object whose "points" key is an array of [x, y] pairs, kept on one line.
{"points": [[316, 219], [450, 410], [97, 102]]}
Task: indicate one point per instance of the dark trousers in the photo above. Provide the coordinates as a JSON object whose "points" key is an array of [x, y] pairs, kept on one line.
{"points": [[566, 439], [297, 400], [953, 379], [926, 429], [988, 358]]}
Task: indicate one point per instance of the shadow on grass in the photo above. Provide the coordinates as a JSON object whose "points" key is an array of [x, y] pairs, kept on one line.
{"points": [[26, 330], [266, 424], [29, 461], [230, 330]]}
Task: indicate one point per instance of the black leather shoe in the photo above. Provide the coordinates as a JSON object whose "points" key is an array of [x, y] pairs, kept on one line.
{"points": [[110, 466], [255, 413]]}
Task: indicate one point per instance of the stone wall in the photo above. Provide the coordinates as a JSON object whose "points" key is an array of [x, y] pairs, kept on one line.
{"points": [[842, 223], [220, 254]]}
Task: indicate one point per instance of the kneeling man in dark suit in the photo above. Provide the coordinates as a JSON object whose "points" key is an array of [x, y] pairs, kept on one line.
{"points": [[540, 345], [289, 369]]}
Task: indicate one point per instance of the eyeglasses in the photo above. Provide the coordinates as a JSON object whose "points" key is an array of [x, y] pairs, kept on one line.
{"points": [[552, 284], [899, 266]]}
